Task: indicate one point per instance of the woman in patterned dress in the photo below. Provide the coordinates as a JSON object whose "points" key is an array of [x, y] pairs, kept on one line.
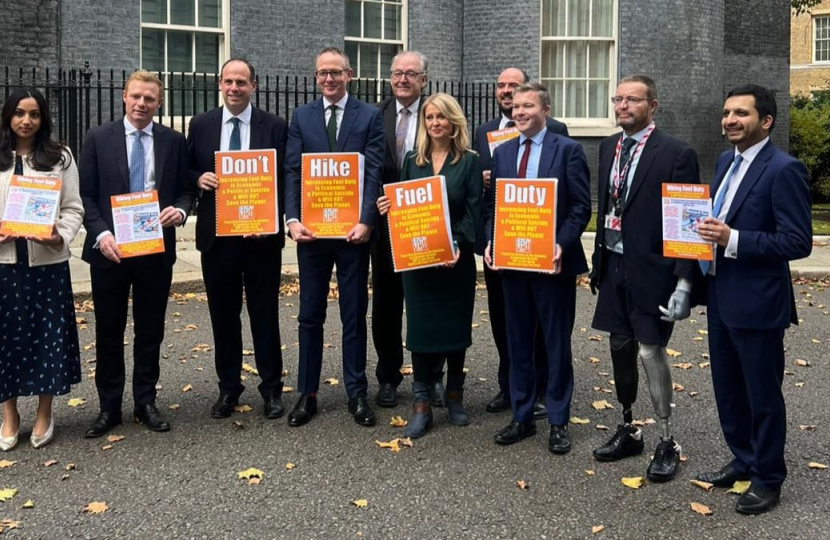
{"points": [[39, 353]]}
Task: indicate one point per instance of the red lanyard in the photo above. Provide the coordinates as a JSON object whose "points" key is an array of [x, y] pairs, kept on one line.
{"points": [[622, 176]]}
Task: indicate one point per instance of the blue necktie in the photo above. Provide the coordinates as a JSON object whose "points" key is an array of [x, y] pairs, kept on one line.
{"points": [[137, 163], [716, 208], [236, 137]]}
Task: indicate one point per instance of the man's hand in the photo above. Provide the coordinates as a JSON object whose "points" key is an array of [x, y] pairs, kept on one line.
{"points": [[593, 280], [208, 181], [170, 217], [485, 179], [714, 230], [360, 234], [109, 248], [299, 233], [384, 204], [456, 255], [488, 260], [557, 260], [679, 306], [54, 240]]}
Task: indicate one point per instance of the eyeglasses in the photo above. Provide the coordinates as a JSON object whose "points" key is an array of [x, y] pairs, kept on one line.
{"points": [[617, 100], [323, 74], [410, 75]]}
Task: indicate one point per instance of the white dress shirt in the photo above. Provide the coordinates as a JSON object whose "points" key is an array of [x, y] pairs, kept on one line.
{"points": [[341, 109], [244, 128]]}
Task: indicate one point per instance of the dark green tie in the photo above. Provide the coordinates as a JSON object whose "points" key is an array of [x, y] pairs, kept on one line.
{"points": [[331, 128]]}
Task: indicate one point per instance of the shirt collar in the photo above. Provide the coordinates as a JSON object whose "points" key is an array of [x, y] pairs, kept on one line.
{"points": [[413, 108], [129, 129], [639, 135], [537, 139], [752, 152], [244, 116], [340, 104]]}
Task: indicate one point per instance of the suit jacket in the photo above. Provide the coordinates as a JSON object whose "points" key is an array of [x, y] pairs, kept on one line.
{"points": [[485, 163], [771, 212], [561, 158], [204, 139], [651, 277], [105, 172], [361, 130]]}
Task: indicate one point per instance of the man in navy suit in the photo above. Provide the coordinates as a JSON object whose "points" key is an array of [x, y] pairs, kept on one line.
{"points": [[335, 123], [540, 302], [232, 263], [761, 221], [507, 82], [131, 155]]}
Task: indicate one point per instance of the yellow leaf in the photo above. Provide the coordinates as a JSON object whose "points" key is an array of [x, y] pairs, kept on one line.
{"points": [[397, 421], [29, 504], [4, 464], [597, 529], [693, 394], [807, 427], [703, 365], [96, 508], [243, 408], [633, 482], [8, 524], [683, 365], [815, 340], [701, 509], [332, 381], [393, 445], [106, 447], [70, 467], [289, 466], [246, 352], [646, 422], [406, 441], [250, 473], [697, 338], [191, 327], [173, 407], [254, 481], [187, 388], [522, 484], [799, 384], [703, 332], [678, 387], [594, 360], [594, 338], [814, 465], [601, 404], [76, 402], [248, 368], [801, 362], [590, 472], [601, 427], [476, 325], [406, 370], [706, 486], [50, 462], [287, 389], [673, 353], [7, 493], [115, 438], [739, 487], [361, 503], [577, 420]]}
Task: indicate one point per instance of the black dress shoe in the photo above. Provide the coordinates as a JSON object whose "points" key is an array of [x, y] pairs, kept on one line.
{"points": [[757, 500], [362, 412], [559, 442], [303, 411], [273, 407], [500, 403], [150, 416], [540, 411], [626, 442], [666, 460], [387, 395], [103, 424], [725, 477], [515, 432], [437, 393], [223, 406]]}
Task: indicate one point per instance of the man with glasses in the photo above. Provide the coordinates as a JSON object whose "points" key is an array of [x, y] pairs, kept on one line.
{"points": [[507, 82], [336, 122], [633, 278]]}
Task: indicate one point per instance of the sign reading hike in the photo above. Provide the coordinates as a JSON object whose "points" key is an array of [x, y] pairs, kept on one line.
{"points": [[246, 200], [332, 193], [524, 224], [419, 223]]}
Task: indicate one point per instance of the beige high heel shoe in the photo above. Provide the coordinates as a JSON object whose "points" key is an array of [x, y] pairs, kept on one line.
{"points": [[46, 438], [7, 443]]}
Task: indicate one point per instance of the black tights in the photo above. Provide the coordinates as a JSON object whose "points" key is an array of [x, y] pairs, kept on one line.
{"points": [[424, 365]]}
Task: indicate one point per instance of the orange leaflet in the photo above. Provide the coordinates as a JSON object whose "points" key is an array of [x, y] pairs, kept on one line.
{"points": [[332, 193], [524, 224], [246, 200], [684, 206], [31, 206], [419, 223], [500, 136], [135, 218]]}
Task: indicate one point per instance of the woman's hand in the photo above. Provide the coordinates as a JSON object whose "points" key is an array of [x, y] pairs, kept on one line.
{"points": [[456, 256], [54, 240], [384, 204]]}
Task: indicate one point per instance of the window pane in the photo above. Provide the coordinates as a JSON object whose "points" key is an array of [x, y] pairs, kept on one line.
{"points": [[557, 103], [552, 59], [598, 99], [351, 52], [371, 19], [392, 21], [602, 18], [387, 52], [183, 12], [577, 59], [368, 61], [179, 51], [553, 17], [154, 11], [578, 11], [353, 18], [598, 59], [575, 99], [210, 13], [207, 53], [152, 50]]}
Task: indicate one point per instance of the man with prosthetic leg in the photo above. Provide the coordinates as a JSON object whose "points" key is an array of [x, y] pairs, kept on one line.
{"points": [[633, 278]]}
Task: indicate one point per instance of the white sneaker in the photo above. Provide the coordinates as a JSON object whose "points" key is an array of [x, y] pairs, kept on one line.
{"points": [[46, 438]]}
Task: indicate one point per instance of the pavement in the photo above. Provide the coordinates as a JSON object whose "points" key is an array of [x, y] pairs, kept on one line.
{"points": [[187, 272]]}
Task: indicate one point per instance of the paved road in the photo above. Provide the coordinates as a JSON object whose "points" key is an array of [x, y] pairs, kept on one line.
{"points": [[454, 483]]}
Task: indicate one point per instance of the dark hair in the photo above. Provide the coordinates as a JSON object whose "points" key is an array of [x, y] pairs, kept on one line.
{"points": [[651, 87], [250, 67], [764, 100], [46, 152]]}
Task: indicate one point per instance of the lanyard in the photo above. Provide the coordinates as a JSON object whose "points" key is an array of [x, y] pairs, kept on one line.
{"points": [[620, 177]]}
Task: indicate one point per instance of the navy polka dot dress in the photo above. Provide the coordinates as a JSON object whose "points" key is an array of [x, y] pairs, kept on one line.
{"points": [[39, 351]]}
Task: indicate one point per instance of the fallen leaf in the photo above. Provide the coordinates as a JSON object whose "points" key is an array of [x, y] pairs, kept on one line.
{"points": [[703, 365], [406, 441], [7, 493], [332, 381], [597, 529], [289, 466], [646, 422], [799, 384], [590, 472], [243, 408], [802, 362], [815, 340], [580, 421], [693, 394], [673, 353], [739, 487], [115, 438], [50, 462], [96, 508], [697, 338], [246, 352], [601, 427], [191, 327], [361, 503], [476, 325], [173, 407], [603, 373], [287, 389], [807, 427], [593, 360], [678, 387], [701, 509], [70, 467], [706, 486], [76, 402], [8, 525], [106, 447], [406, 370], [522, 484], [703, 332], [29, 504], [393, 445], [397, 421], [683, 365], [248, 368], [236, 424], [5, 464], [601, 404], [247, 474], [814, 465], [594, 338], [254, 481], [187, 388], [705, 356], [633, 482]]}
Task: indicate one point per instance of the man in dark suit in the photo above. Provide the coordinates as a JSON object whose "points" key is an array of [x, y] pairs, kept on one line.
{"points": [[131, 155], [629, 270], [761, 221], [538, 302], [506, 84], [233, 262], [335, 123]]}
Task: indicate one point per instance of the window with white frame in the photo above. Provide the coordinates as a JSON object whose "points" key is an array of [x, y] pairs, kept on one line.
{"points": [[184, 39], [821, 39], [374, 35], [578, 63]]}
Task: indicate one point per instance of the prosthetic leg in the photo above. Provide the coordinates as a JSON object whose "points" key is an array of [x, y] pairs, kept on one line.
{"points": [[664, 464]]}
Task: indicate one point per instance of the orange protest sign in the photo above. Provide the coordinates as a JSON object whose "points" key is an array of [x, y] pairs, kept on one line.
{"points": [[332, 193], [31, 206], [246, 200], [684, 207], [419, 223], [135, 218], [500, 136], [524, 224]]}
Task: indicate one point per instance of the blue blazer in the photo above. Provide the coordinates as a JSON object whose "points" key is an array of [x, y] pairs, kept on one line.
{"points": [[561, 158], [361, 130], [771, 211]]}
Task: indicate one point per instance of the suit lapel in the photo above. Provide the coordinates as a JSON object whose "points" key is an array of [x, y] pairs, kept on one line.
{"points": [[650, 151], [349, 115], [753, 174], [606, 161], [119, 148], [319, 121], [389, 127], [546, 159], [160, 145], [513, 155], [256, 129]]}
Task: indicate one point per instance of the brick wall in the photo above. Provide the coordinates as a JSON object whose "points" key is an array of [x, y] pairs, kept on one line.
{"points": [[29, 34], [435, 29], [806, 76]]}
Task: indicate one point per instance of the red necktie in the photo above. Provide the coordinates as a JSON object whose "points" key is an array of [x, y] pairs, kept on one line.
{"points": [[525, 157]]}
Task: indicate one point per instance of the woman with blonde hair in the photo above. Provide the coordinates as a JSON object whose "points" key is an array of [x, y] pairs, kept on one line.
{"points": [[440, 300]]}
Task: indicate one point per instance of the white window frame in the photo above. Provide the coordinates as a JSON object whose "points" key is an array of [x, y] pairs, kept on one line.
{"points": [[588, 127], [355, 62], [816, 17]]}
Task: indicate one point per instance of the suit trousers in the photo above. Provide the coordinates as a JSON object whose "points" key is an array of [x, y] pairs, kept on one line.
{"points": [[387, 310], [536, 301], [316, 260], [231, 264], [149, 277], [747, 373]]}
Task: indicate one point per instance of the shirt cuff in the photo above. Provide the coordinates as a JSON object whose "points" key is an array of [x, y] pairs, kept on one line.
{"points": [[292, 220], [184, 216], [731, 251], [99, 238]]}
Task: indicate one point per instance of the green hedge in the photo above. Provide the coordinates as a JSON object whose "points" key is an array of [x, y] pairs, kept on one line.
{"points": [[810, 140]]}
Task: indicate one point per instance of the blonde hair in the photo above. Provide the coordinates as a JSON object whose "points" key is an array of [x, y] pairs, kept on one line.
{"points": [[142, 75], [459, 138]]}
